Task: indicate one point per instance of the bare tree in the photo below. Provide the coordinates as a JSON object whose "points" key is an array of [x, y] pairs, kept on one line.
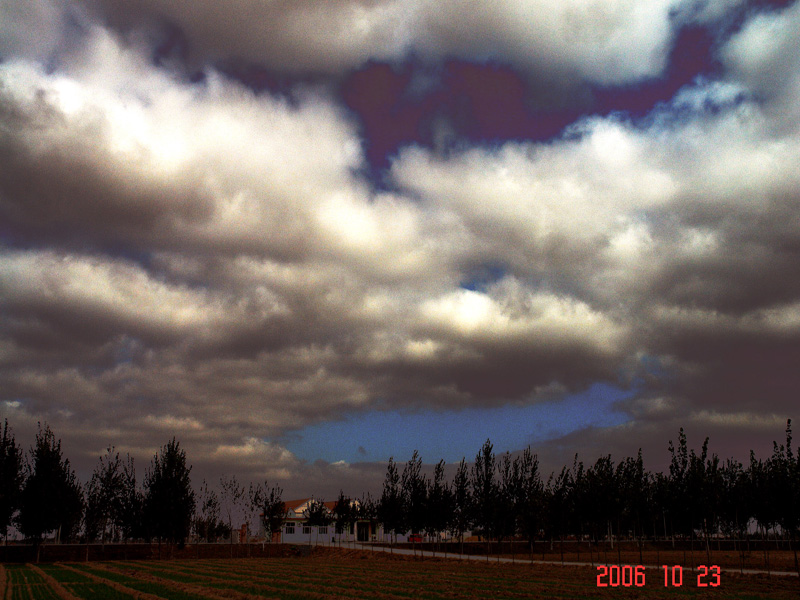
{"points": [[104, 497], [232, 496], [208, 524], [317, 515], [268, 502], [461, 519]]}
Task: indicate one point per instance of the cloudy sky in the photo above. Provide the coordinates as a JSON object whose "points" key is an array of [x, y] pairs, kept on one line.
{"points": [[304, 236]]}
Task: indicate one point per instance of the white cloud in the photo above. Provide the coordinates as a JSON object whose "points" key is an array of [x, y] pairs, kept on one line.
{"points": [[210, 260], [111, 290], [601, 41], [297, 35], [765, 56]]}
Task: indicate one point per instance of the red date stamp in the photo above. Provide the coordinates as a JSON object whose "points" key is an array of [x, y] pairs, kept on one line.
{"points": [[634, 576]]}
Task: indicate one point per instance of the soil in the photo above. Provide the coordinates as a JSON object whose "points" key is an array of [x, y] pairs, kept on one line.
{"points": [[331, 573]]}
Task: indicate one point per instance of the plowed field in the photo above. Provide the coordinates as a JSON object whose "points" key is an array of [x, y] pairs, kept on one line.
{"points": [[355, 575]]}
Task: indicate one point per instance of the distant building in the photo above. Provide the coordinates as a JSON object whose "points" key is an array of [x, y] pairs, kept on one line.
{"points": [[297, 531]]}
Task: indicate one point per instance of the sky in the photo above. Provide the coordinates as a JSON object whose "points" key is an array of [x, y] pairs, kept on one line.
{"points": [[304, 237]]}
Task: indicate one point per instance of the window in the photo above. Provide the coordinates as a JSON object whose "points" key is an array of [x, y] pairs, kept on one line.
{"points": [[306, 529], [290, 529], [323, 530]]}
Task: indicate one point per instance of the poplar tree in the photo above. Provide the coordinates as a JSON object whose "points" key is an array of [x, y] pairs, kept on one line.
{"points": [[415, 494], [343, 513], [390, 506], [52, 498], [529, 505], [232, 497], [132, 504], [367, 510], [439, 502], [462, 503], [10, 478], [104, 497], [505, 513], [484, 491], [169, 501], [317, 515], [267, 500]]}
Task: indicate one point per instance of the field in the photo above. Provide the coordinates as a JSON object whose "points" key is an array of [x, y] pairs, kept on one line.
{"points": [[353, 574]]}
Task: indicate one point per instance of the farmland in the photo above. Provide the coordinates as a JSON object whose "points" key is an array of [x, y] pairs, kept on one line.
{"points": [[349, 575]]}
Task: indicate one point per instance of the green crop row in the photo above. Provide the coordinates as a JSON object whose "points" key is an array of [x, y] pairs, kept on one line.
{"points": [[348, 578], [147, 587]]}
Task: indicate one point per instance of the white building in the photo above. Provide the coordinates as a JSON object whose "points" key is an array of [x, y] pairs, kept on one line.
{"points": [[296, 530]]}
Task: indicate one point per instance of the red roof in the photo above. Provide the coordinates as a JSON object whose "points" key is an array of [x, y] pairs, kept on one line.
{"points": [[292, 504]]}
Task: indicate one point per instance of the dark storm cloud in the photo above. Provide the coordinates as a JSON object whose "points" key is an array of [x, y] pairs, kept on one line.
{"points": [[190, 256]]}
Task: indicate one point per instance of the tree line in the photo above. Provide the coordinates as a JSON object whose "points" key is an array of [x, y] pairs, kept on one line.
{"points": [[496, 497], [699, 498], [41, 495]]}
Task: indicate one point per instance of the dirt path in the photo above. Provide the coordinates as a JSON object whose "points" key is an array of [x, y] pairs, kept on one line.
{"points": [[520, 561]]}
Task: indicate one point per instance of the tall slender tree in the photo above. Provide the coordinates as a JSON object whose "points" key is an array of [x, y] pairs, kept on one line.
{"points": [[461, 520], [232, 499], [343, 513], [269, 504], [484, 492], [529, 503], [390, 507], [10, 479], [439, 503], [509, 482], [132, 520], [414, 487], [317, 515], [104, 497], [367, 510], [736, 504], [784, 489], [169, 501], [52, 498], [559, 502], [679, 504], [208, 524]]}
